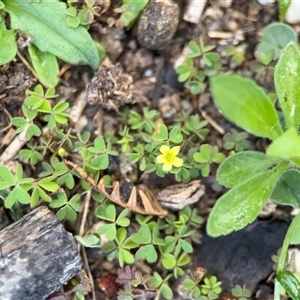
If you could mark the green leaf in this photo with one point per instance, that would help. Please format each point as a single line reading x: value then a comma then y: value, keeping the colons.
x: 143, y: 236
x: 32, y: 130
x: 17, y: 194
x: 66, y: 212
x: 60, y: 107
x: 241, y: 166
x: 195, y: 50
x: 110, y: 213
x: 100, y: 144
x: 287, y: 81
x: 175, y: 136
x: 275, y: 37
x: 163, y: 135
x: 293, y: 233
x: 6, y: 175
x: 45, y: 22
x: 241, y: 205
x: 245, y: 104
x: 287, y: 145
x: 287, y: 189
x: 125, y: 256
x: 109, y: 230
x: 60, y: 201
x: 166, y: 291
x: 283, y: 6
x: 169, y: 261
x: 74, y: 202
x: 290, y: 283
x: 8, y: 45
x: 48, y: 184
x: 89, y: 240
x: 19, y: 122
x: 147, y: 253
x: 45, y: 65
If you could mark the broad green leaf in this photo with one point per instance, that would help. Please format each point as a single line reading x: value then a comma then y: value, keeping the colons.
x: 287, y: 189
x: 8, y: 45
x: 287, y: 82
x: 46, y: 23
x: 45, y: 65
x: 275, y: 37
x: 243, y: 165
x: 287, y: 145
x: 242, y: 204
x: 245, y: 104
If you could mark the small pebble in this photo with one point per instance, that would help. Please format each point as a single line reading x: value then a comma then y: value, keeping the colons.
x: 265, y: 2
x: 292, y: 15
x: 157, y: 24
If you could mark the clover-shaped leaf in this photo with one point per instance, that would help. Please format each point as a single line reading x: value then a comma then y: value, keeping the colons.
x: 206, y: 156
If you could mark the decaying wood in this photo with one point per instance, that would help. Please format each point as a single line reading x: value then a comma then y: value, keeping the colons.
x: 150, y: 204
x: 37, y: 256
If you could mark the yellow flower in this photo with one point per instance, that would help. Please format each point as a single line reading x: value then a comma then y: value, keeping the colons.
x: 168, y: 157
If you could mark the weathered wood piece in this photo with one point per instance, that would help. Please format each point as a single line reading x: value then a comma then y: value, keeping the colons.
x: 37, y: 256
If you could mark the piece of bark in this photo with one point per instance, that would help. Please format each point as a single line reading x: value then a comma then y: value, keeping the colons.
x: 37, y: 256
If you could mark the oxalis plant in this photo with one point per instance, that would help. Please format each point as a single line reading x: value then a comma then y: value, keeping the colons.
x: 254, y: 177
x: 49, y: 37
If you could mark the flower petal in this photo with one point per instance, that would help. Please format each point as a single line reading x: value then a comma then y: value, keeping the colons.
x: 167, y: 166
x: 175, y: 150
x: 177, y: 162
x: 160, y: 159
x: 164, y: 149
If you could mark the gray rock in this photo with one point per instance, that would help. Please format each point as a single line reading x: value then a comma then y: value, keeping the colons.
x: 242, y: 257
x: 157, y: 24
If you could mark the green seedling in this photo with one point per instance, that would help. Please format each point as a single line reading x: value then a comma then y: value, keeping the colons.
x: 135, y: 285
x: 236, y: 141
x: 275, y: 37
x: 242, y: 293
x: 130, y: 10
x: 200, y: 64
x: 254, y: 177
x: 67, y: 208
x: 108, y: 213
x: 209, y: 289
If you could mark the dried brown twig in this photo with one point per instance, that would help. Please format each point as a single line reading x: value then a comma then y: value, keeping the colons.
x: 150, y: 204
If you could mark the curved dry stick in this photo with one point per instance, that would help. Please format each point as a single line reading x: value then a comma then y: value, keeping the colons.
x: 151, y: 206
